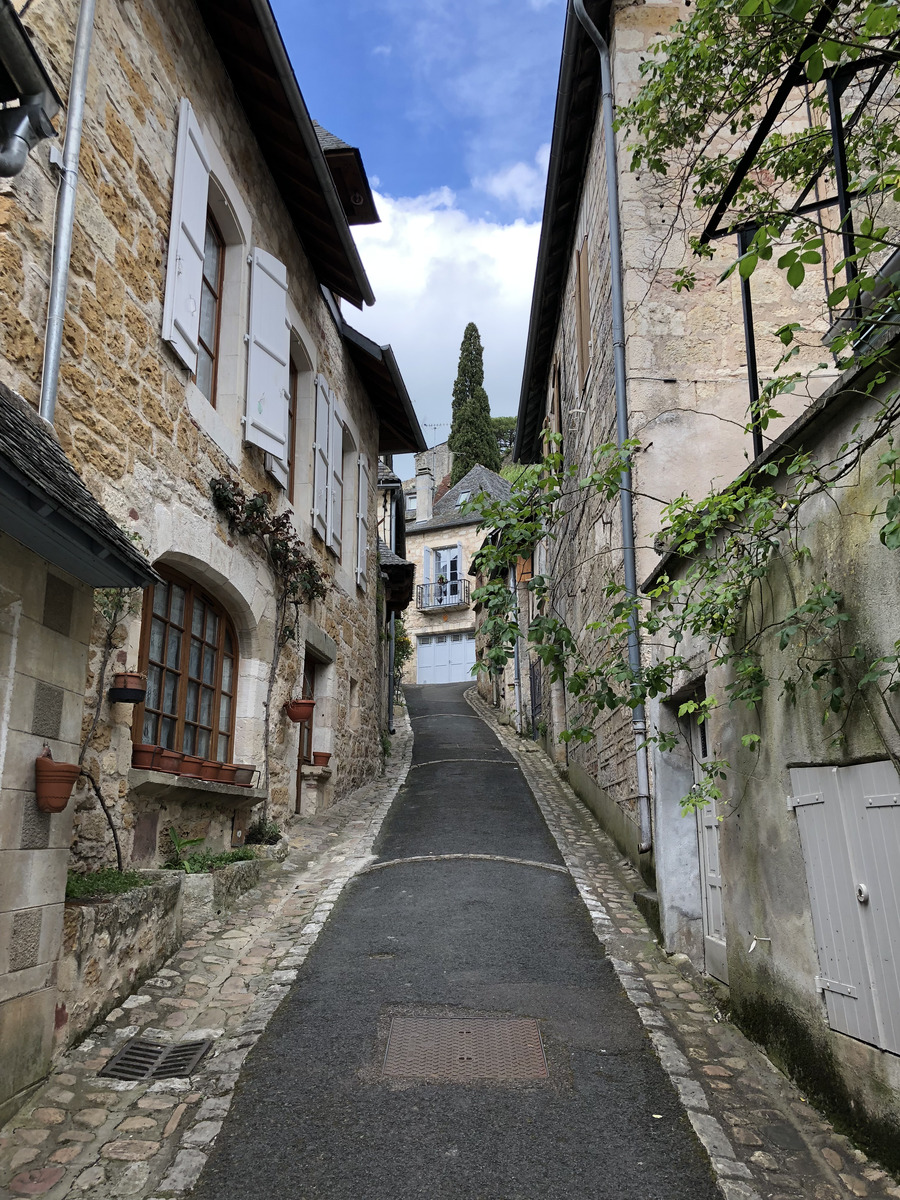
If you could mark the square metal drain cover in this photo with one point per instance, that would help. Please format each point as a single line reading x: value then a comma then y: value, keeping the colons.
x: 504, y: 1049
x: 141, y: 1059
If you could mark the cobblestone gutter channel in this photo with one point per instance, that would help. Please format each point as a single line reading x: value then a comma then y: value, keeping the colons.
x: 764, y: 1141
x: 80, y: 1135
x: 106, y: 1138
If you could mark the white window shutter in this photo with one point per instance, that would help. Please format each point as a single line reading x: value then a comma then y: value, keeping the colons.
x: 187, y: 236
x: 336, y: 489
x: 426, y: 564
x: 320, y: 462
x: 268, y: 371
x: 459, y: 560
x: 362, y: 524
x: 278, y: 470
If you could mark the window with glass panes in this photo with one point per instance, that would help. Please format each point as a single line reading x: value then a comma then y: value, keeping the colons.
x: 189, y: 653
x: 210, y: 297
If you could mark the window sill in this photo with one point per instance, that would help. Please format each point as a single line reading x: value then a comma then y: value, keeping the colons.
x: 161, y: 785
x: 310, y: 771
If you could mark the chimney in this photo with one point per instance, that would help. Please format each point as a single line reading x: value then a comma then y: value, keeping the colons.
x: 424, y: 493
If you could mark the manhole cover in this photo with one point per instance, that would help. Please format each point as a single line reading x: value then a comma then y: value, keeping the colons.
x: 505, y: 1049
x: 141, y: 1059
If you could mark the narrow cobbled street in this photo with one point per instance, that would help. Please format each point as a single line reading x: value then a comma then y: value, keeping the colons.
x: 466, y: 893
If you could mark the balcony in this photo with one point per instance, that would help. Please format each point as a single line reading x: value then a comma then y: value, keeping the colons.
x: 431, y: 597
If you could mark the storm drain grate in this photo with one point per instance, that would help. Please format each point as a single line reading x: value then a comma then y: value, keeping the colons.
x: 141, y: 1059
x: 503, y: 1049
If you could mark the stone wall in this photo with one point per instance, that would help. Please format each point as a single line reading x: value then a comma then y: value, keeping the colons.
x: 110, y: 947
x: 135, y: 425
x: 44, y: 631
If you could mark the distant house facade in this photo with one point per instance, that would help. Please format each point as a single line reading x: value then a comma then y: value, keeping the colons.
x: 442, y: 544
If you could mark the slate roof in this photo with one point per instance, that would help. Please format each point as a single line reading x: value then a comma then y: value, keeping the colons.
x: 446, y: 511
x: 387, y: 477
x: 387, y: 558
x: 45, y: 505
x: 329, y: 141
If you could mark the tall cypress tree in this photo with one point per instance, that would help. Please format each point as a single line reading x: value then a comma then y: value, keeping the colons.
x: 469, y: 376
x: 476, y: 441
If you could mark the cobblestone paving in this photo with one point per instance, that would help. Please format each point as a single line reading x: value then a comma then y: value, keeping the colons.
x: 764, y: 1141
x: 104, y: 1138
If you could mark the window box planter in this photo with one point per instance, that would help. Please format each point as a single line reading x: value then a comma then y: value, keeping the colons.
x: 227, y: 772
x: 321, y: 758
x: 53, y: 783
x: 144, y: 758
x: 168, y: 760
x: 193, y: 766
x: 244, y: 774
x: 299, y: 710
x: 209, y: 770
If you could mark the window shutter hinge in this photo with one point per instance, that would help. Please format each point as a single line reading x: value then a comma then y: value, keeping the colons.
x: 246, y: 339
x: 249, y: 259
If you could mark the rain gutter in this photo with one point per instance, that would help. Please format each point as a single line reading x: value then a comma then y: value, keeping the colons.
x: 65, y: 211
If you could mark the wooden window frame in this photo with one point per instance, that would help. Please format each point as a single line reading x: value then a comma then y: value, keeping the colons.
x: 305, y: 750
x: 213, y: 351
x: 583, y: 311
x: 192, y: 592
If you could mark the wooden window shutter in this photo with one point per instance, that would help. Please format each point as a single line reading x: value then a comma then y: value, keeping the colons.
x: 320, y: 462
x: 362, y: 524
x: 268, y: 358
x: 583, y: 312
x: 187, y: 236
x: 336, y: 488
x: 426, y: 564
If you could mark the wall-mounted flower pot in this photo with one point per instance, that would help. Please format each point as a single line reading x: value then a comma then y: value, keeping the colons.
x: 168, y: 760
x: 143, y: 758
x: 321, y: 758
x: 300, y: 710
x: 244, y: 774
x: 192, y: 765
x: 128, y: 687
x: 53, y: 783
x: 227, y: 772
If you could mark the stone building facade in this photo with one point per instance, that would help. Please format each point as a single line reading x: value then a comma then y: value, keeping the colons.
x: 204, y: 339
x: 686, y: 379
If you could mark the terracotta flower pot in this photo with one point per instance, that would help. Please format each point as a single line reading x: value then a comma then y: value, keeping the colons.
x: 209, y: 771
x: 321, y: 758
x: 130, y: 679
x: 143, y: 758
x: 53, y: 783
x: 300, y: 710
x: 243, y: 774
x: 227, y: 772
x: 168, y: 760
x: 192, y: 765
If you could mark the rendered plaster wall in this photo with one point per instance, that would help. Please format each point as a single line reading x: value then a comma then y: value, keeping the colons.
x: 136, y: 427
x: 457, y: 620
x: 686, y: 390
x: 44, y: 631
x: 773, y: 989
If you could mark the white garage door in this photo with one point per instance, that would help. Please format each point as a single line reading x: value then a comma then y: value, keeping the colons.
x: 445, y: 658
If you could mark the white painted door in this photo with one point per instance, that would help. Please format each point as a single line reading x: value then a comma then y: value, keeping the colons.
x: 712, y: 885
x: 445, y: 657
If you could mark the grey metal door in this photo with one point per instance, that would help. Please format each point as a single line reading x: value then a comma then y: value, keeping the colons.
x: 712, y: 885
x: 849, y: 823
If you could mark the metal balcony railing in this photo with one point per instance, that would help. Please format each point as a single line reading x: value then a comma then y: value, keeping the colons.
x: 454, y: 594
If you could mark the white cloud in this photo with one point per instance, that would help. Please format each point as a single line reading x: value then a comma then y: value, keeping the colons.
x: 520, y: 185
x: 384, y: 51
x: 433, y: 269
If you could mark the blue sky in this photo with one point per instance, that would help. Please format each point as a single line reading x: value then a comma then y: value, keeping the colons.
x: 451, y: 104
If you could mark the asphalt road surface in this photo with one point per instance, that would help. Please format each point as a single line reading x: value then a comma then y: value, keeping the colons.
x: 314, y: 1116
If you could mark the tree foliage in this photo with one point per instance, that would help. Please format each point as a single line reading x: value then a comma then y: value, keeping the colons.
x: 472, y: 437
x: 505, y: 432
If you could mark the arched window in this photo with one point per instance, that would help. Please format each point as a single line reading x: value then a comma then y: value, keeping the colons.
x: 189, y: 653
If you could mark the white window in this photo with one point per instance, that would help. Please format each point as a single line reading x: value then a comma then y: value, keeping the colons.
x: 324, y: 406
x: 362, y: 524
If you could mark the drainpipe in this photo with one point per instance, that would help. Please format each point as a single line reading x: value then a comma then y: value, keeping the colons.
x: 65, y: 210
x: 638, y: 718
x: 517, y: 673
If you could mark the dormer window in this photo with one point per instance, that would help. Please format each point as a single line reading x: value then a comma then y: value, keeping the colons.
x: 462, y: 499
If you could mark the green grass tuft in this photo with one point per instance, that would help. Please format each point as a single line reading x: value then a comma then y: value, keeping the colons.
x: 107, y: 882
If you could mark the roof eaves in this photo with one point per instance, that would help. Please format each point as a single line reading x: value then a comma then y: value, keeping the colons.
x: 574, y: 120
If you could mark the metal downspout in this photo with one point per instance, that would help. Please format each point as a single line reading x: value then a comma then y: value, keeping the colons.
x: 517, y: 674
x: 65, y: 210
x: 638, y: 719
